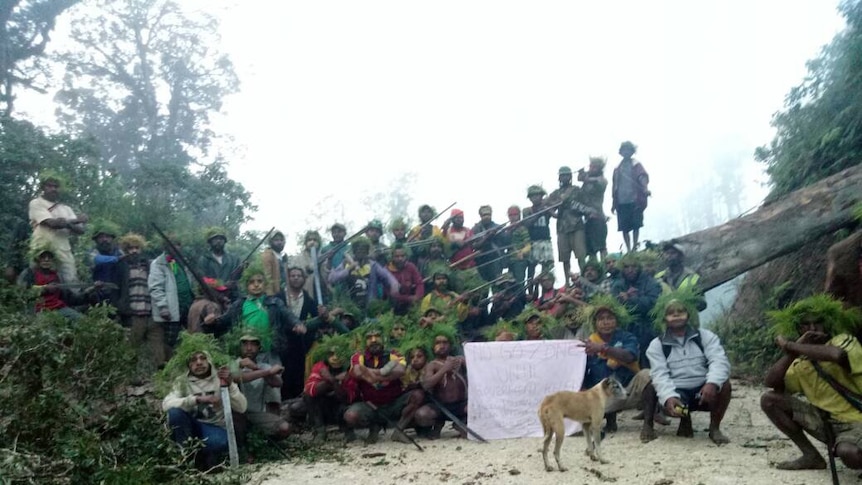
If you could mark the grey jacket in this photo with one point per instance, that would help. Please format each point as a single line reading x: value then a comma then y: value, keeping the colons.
x: 686, y: 366
x: 163, y: 289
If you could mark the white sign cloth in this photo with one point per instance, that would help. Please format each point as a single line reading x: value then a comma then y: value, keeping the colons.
x: 508, y: 380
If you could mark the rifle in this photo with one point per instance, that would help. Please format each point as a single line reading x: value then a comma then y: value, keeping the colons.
x: 75, y: 286
x: 338, y: 247
x: 429, y: 221
x: 239, y: 269
x: 205, y: 288
x: 317, y: 292
x: 523, y: 284
x: 538, y: 213
x: 482, y: 286
x: 392, y: 423
x: 455, y: 420
x: 510, y: 225
x: 576, y: 206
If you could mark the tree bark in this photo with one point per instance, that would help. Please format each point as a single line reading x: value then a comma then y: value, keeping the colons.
x: 723, y: 252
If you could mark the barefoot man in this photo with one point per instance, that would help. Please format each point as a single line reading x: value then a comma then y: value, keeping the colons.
x: 444, y: 379
x: 816, y: 335
x: 688, y: 368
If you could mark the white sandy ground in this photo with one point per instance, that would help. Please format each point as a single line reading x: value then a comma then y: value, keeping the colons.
x: 749, y: 459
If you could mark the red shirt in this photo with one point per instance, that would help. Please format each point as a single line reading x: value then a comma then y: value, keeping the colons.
x: 316, y: 377
x: 409, y: 281
x: 459, y: 236
x: 48, y: 301
x: 383, y: 393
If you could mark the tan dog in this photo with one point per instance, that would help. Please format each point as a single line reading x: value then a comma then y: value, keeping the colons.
x: 586, y: 407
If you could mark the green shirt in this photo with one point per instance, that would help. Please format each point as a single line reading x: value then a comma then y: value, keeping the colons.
x: 255, y: 316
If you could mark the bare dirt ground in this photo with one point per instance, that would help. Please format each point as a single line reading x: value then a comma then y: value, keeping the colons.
x: 749, y: 459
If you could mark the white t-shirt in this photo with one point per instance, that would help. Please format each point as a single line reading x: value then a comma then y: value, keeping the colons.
x: 41, y: 210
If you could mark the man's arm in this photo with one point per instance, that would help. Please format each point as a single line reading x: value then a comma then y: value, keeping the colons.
x: 646, y: 296
x: 718, y: 366
x: 156, y: 281
x: 384, y: 275
x: 660, y: 373
x: 176, y: 399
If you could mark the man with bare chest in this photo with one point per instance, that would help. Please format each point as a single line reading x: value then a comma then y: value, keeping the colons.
x: 443, y: 378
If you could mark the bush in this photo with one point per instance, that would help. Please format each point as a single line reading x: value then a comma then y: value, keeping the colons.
x: 66, y: 417
x: 749, y: 346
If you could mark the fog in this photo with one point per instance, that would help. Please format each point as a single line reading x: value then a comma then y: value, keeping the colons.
x: 343, y: 103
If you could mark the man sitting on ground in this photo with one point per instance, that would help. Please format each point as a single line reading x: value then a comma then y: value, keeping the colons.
x: 817, y: 374
x: 260, y: 383
x: 195, y: 409
x: 328, y: 388
x: 378, y: 373
x: 445, y: 379
x: 688, y: 368
x: 613, y: 352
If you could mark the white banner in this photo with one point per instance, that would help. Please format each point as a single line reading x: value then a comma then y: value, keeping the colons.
x: 508, y: 380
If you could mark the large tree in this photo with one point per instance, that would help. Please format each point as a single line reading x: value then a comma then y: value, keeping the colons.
x: 25, y: 28
x: 144, y: 78
x: 819, y: 132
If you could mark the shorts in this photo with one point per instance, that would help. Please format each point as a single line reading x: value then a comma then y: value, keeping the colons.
x: 266, y: 422
x: 809, y: 417
x: 457, y: 408
x: 541, y: 251
x: 569, y: 242
x: 596, y: 234
x: 629, y: 217
x: 690, y: 399
x: 390, y: 411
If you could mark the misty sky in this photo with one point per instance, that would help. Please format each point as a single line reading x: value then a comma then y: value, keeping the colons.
x: 483, y: 98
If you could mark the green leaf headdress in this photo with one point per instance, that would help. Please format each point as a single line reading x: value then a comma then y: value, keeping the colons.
x: 820, y: 308
x: 255, y: 268
x: 103, y: 226
x: 502, y: 326
x: 341, y: 345
x: 529, y: 312
x: 230, y: 342
x: 586, y: 315
x: 685, y: 298
x: 178, y: 366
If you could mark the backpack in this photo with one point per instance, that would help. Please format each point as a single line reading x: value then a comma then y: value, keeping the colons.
x: 696, y: 339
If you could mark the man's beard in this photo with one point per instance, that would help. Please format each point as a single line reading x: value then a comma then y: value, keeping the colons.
x: 375, y: 348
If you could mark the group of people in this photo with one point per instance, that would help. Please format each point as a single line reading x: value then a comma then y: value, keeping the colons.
x: 359, y: 334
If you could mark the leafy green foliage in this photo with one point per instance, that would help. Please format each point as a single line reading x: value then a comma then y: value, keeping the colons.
x: 819, y: 133
x: 749, y: 345
x: 69, y: 420
x: 820, y: 308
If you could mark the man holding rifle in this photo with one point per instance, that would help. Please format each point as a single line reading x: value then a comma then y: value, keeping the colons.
x: 219, y: 264
x: 171, y: 292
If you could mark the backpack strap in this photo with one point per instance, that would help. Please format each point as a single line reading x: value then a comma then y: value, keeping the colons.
x: 665, y: 348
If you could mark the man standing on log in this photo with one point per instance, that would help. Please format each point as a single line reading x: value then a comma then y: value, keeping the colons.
x: 570, y: 222
x: 630, y: 194
x: 596, y: 225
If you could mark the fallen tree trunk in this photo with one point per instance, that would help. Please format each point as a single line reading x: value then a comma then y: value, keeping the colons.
x: 723, y: 252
